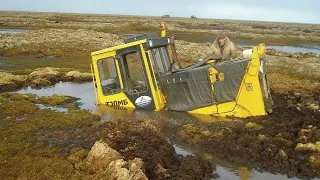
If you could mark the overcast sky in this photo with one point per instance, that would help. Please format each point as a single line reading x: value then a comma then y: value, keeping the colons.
x: 302, y: 11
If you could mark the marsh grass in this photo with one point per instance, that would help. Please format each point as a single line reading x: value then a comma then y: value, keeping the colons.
x: 56, y: 41
x: 274, y: 31
x: 22, y: 155
x: 307, y: 68
x: 64, y: 40
x: 45, y: 144
x: 8, y: 78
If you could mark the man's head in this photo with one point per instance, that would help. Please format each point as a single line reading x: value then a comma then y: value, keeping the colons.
x: 221, y: 39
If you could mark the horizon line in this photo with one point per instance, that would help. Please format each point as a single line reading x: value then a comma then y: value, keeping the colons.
x: 205, y: 18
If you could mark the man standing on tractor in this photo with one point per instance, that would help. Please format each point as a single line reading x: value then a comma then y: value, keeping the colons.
x: 223, y: 49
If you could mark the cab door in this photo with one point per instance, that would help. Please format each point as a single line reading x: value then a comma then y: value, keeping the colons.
x: 137, y: 82
x: 108, y: 81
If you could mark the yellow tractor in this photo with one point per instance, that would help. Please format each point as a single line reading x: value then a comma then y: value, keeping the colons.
x: 143, y: 73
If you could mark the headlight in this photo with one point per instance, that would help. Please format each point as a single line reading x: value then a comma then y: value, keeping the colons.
x: 150, y: 43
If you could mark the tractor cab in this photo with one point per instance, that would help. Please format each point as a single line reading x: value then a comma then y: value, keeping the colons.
x: 142, y: 73
x: 128, y: 75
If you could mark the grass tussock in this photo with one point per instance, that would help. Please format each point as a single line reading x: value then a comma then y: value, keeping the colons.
x: 41, y: 77
x: 8, y: 78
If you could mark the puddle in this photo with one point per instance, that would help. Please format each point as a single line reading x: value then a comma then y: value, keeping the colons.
x: 172, y: 121
x: 299, y: 48
x: 83, y: 91
x: 12, y: 31
x: 20, y: 118
x: 181, y: 151
x: 58, y: 109
x: 293, y: 49
x: 244, y: 173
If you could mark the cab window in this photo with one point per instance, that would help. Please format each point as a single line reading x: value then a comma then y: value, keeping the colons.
x: 135, y: 80
x: 108, y: 76
x: 161, y: 60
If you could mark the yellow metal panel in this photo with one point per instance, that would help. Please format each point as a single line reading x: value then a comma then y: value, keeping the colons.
x: 160, y: 98
x: 97, y: 57
x: 250, y: 95
x: 218, y: 110
x: 212, y: 76
x: 119, y: 74
x: 249, y: 101
x: 153, y: 74
x: 96, y: 71
x: 115, y: 48
x: 94, y: 82
x: 210, y: 61
x: 163, y: 33
x: 262, y: 49
x: 116, y: 100
x: 155, y: 94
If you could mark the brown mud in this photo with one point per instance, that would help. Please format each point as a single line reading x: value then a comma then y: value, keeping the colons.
x: 41, y: 144
x: 286, y: 141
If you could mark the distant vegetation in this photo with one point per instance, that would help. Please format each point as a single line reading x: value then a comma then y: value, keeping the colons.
x: 193, y: 17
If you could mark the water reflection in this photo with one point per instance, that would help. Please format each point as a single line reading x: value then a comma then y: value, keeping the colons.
x: 83, y: 91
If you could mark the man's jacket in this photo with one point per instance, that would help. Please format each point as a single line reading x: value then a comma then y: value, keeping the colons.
x: 228, y: 50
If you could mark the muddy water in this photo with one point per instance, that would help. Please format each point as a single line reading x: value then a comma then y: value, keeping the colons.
x: 173, y: 121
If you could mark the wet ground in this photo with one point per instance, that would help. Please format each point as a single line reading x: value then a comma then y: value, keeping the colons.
x: 57, y: 132
x: 298, y: 100
x: 175, y: 122
x: 42, y: 142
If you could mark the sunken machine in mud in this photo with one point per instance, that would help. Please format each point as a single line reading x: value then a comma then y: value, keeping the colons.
x: 144, y: 73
